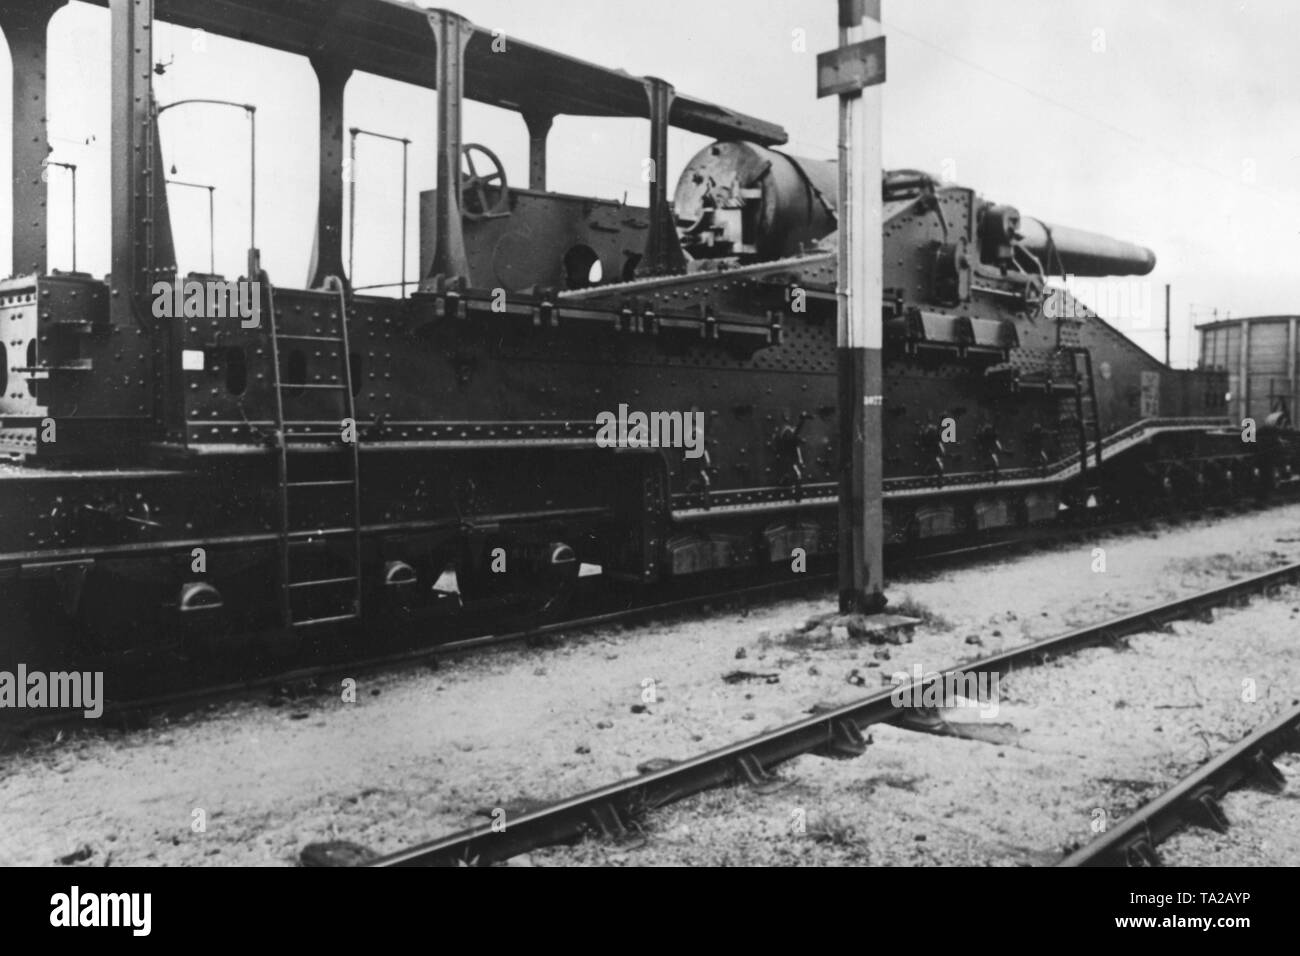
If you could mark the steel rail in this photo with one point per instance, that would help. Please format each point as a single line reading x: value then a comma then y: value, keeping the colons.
x: 1194, y: 801
x: 609, y: 809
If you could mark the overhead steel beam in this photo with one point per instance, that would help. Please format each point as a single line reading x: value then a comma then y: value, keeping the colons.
x: 389, y: 38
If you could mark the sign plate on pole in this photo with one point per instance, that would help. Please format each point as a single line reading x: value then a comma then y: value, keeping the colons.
x: 851, y: 69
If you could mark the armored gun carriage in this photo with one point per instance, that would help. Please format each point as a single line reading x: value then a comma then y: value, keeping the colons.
x: 330, y: 457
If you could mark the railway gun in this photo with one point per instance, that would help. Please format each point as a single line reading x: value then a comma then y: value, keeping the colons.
x: 196, y: 457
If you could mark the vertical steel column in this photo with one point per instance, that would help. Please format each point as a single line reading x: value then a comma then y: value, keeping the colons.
x: 860, y: 293
x: 72, y: 167
x: 406, y: 155
x: 1243, y: 373
x: 163, y: 249
x: 212, y: 230
x: 134, y: 151
x: 539, y: 127
x: 662, y: 251
x: 254, y: 256
x: 1292, y: 411
x: 26, y: 27
x: 1167, y: 325
x: 451, y: 34
x: 352, y: 199
x: 327, y: 248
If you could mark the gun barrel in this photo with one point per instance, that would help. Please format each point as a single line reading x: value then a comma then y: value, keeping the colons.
x: 1063, y: 250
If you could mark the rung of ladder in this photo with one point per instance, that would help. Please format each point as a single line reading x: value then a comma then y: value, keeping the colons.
x: 321, y: 582
x: 305, y: 536
x: 312, y: 436
x: 335, y: 619
x: 336, y: 435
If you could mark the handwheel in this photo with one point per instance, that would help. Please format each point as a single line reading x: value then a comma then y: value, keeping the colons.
x: 474, y: 189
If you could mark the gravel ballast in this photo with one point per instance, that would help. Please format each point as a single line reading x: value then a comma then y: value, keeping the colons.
x: 424, y: 752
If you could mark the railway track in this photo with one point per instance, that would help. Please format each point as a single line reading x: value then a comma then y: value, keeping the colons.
x: 610, y: 810
x: 1194, y: 800
x: 130, y: 712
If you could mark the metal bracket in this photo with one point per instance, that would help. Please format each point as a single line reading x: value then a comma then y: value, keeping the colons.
x: 1265, y: 773
x: 604, y: 819
x: 68, y: 576
x: 1141, y: 853
x: 1206, y: 811
x: 1113, y: 640
x: 753, y: 773
x: 846, y: 742
x: 775, y: 333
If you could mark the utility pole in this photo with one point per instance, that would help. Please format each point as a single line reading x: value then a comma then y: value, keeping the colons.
x: 212, y: 237
x: 855, y: 71
x: 254, y: 256
x: 356, y: 131
x: 1167, y: 323
x: 71, y: 168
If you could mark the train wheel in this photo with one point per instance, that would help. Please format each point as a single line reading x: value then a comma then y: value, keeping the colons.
x: 528, y: 588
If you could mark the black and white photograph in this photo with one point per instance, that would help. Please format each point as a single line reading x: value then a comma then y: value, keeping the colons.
x: 748, y: 434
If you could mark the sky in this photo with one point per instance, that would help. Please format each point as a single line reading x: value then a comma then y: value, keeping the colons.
x: 1171, y: 123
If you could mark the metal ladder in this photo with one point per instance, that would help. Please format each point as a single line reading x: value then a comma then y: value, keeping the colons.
x: 1085, y: 406
x: 309, y: 596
